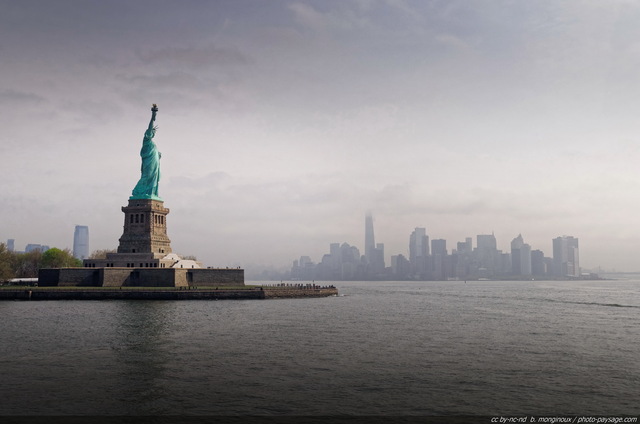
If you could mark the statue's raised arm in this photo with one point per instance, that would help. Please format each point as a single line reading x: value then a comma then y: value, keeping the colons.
x: 147, y: 187
x: 154, y: 110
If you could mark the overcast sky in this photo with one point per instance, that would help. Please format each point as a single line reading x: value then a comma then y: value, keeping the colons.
x: 282, y: 123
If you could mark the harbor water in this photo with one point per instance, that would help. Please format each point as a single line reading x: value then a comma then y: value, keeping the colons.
x: 378, y: 349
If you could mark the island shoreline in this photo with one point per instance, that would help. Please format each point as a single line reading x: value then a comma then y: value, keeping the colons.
x: 163, y: 293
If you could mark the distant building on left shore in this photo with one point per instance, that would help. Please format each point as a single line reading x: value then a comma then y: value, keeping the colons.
x: 31, y: 247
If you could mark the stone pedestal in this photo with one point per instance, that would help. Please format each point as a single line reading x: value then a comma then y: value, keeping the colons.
x: 145, y: 228
x: 144, y: 242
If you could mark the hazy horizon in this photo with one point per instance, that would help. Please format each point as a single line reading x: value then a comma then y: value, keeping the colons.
x: 282, y: 123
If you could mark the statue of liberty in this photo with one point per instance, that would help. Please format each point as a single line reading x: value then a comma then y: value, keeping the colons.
x: 147, y: 187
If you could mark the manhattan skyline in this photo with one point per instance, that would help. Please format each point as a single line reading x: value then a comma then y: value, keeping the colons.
x: 382, y: 265
x: 432, y: 259
x: 283, y: 122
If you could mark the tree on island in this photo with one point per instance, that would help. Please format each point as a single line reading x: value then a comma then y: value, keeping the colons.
x: 27, y: 265
x: 56, y: 258
x: 101, y: 253
x: 6, y: 263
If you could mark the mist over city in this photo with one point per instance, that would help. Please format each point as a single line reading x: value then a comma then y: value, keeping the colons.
x: 282, y: 123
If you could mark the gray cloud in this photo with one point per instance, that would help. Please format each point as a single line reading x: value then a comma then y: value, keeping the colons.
x: 283, y: 122
x: 12, y: 97
x: 197, y: 57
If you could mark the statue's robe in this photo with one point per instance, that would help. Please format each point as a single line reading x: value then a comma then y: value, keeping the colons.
x: 147, y: 187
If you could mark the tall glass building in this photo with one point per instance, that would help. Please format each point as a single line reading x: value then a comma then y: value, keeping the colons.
x: 81, y: 242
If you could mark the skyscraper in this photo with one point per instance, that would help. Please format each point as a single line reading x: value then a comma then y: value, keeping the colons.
x: 369, y: 239
x: 374, y: 254
x: 516, y: 245
x: 439, y: 259
x: 520, y: 256
x: 537, y: 263
x: 418, y: 244
x: 11, y: 245
x: 81, y: 242
x: 487, y: 255
x: 400, y: 267
x: 439, y: 247
x: 378, y: 260
x: 486, y: 242
x: 566, y: 258
x: 31, y: 247
x: 525, y: 259
x: 463, y: 259
x: 418, y: 252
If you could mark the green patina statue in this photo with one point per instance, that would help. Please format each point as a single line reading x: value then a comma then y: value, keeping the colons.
x: 147, y: 187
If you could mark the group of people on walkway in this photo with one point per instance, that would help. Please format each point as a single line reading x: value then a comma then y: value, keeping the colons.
x: 307, y: 286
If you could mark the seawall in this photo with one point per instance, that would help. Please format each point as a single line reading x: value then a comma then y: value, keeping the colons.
x: 140, y: 277
x: 292, y: 292
x: 45, y: 293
